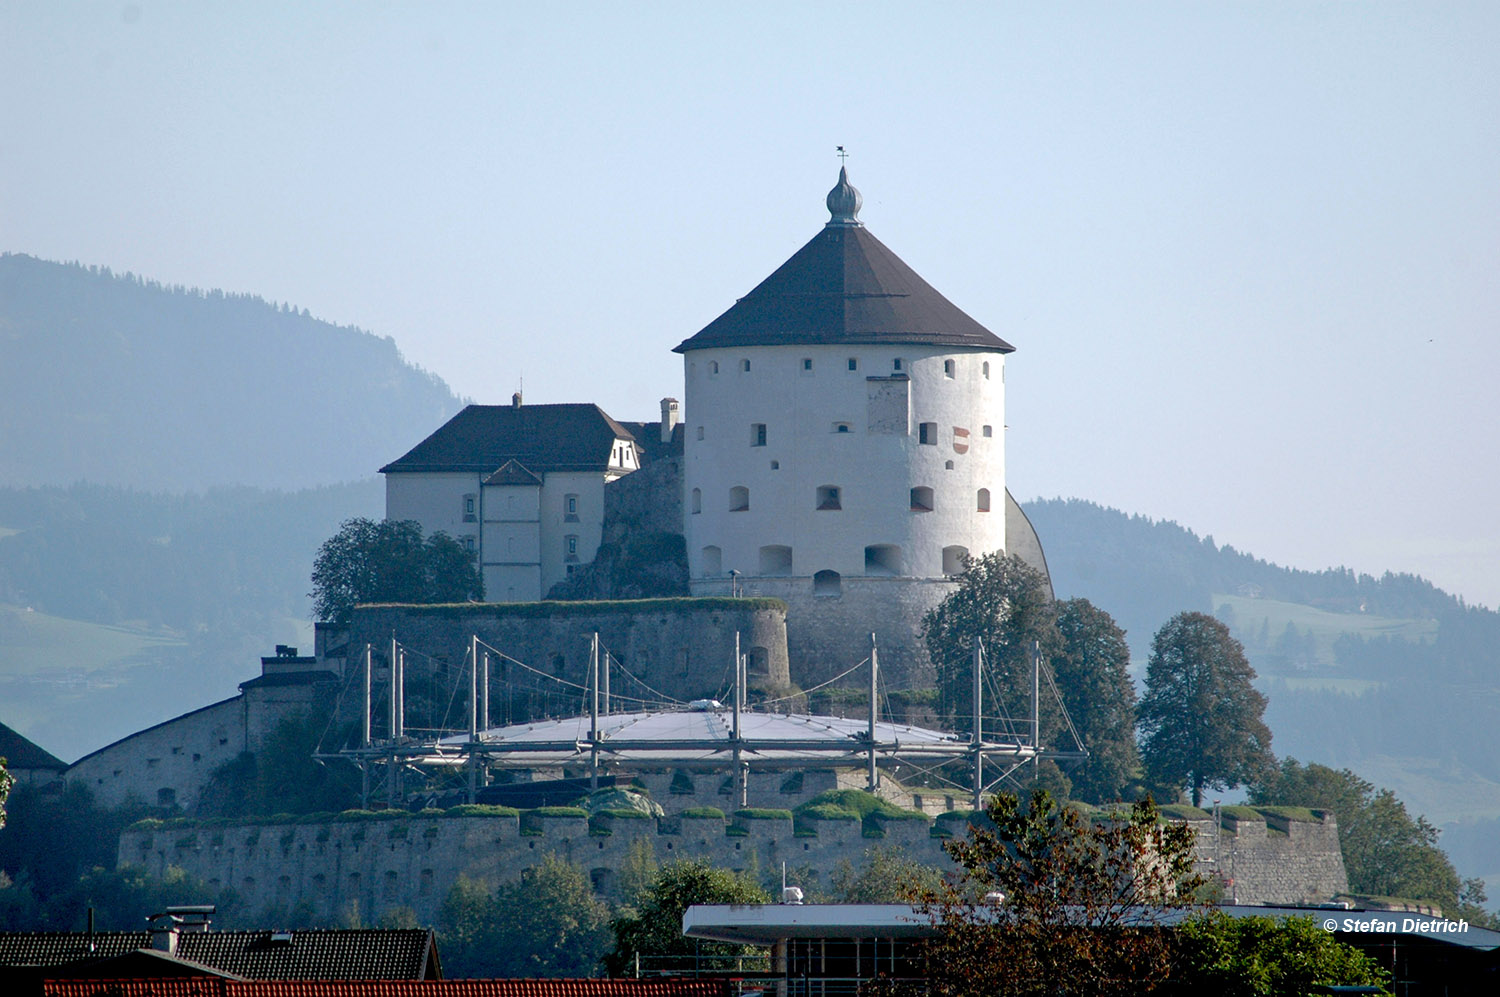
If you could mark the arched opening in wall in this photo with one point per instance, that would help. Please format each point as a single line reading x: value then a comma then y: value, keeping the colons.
x: 986, y: 369
x: 984, y: 500
x: 712, y: 561
x: 758, y: 663
x: 697, y: 501
x: 829, y: 583
x: 775, y: 559
x: 947, y: 465
x: 883, y: 559
x: 828, y: 497
x: 921, y: 499
x: 953, y: 559
x: 739, y: 499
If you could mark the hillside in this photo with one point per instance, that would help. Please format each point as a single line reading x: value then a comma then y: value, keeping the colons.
x: 1389, y: 676
x: 119, y: 609
x: 115, y: 380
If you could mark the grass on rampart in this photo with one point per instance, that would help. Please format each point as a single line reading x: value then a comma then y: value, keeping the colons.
x: 557, y: 607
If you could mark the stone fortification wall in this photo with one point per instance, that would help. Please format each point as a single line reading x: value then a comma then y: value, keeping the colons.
x: 827, y: 633
x: 682, y: 647
x: 1274, y: 859
x: 395, y: 859
x: 414, y: 860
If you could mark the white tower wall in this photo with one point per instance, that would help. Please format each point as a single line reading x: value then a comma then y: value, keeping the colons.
x: 830, y: 427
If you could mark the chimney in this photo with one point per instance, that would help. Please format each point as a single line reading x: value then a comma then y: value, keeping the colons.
x: 669, y: 416
x: 164, y: 933
x: 515, y: 400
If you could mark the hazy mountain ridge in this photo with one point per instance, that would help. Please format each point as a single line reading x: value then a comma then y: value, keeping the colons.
x: 1144, y: 570
x: 114, y: 379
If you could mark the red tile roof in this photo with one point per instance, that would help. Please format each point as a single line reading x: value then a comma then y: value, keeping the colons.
x: 211, y: 987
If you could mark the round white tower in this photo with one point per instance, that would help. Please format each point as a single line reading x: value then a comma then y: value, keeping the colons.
x: 844, y: 448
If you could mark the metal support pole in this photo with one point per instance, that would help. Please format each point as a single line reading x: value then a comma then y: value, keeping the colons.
x: 364, y: 761
x: 1035, y: 699
x: 606, y: 683
x: 741, y: 782
x: 978, y: 726
x: 594, y: 712
x: 473, y: 715
x: 874, y: 773
x: 484, y: 693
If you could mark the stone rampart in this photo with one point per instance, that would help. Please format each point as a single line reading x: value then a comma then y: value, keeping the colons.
x: 1274, y: 859
x: 828, y: 629
x: 394, y: 859
x: 682, y: 647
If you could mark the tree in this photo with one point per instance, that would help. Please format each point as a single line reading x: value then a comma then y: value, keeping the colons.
x: 1004, y: 603
x: 388, y: 561
x: 6, y: 781
x: 547, y: 923
x: 1387, y: 853
x: 1093, y: 677
x: 887, y: 876
x: 1200, y: 720
x: 1268, y: 957
x: 652, y: 929
x: 1082, y: 903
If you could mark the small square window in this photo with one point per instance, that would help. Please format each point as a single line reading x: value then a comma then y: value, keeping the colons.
x: 949, y: 368
x: 807, y: 363
x: 745, y: 366
x: 854, y: 363
x: 841, y: 427
x: 987, y: 431
x: 896, y: 364
x: 927, y: 433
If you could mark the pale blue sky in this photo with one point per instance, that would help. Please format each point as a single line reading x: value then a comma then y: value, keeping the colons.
x: 1248, y: 253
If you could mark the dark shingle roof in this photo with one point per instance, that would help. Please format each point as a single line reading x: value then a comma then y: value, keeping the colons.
x: 844, y: 287
x: 23, y: 753
x: 513, y: 472
x: 481, y: 438
x: 332, y: 954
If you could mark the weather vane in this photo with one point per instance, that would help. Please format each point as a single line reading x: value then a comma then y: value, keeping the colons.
x: 842, y: 155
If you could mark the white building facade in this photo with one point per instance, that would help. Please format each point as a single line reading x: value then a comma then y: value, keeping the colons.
x: 521, y: 485
x: 844, y: 445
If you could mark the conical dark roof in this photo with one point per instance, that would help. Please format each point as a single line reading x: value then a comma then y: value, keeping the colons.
x: 845, y: 286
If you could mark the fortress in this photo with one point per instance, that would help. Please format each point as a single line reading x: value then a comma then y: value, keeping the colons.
x: 838, y: 453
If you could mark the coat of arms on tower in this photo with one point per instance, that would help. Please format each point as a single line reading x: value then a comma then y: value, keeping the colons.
x: 960, y: 440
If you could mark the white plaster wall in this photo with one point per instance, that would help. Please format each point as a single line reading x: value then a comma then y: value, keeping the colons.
x: 435, y: 500
x: 510, y: 547
x: 179, y: 754
x: 874, y: 472
x: 588, y: 526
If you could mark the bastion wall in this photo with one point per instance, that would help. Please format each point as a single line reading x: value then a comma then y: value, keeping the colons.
x: 377, y: 862
x: 683, y: 648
